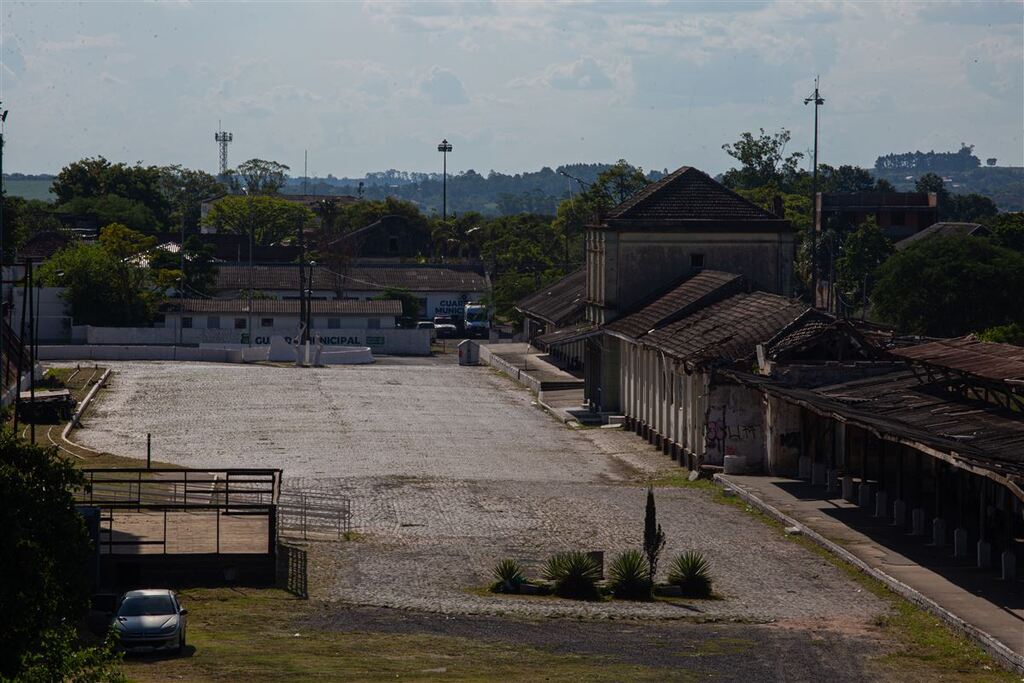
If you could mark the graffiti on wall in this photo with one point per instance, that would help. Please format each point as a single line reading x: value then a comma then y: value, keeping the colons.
x: 721, y: 436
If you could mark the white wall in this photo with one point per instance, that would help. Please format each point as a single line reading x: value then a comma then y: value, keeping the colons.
x: 54, y: 322
x: 201, y: 321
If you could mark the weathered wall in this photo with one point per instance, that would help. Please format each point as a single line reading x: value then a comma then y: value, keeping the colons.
x: 734, y: 425
x: 782, y: 437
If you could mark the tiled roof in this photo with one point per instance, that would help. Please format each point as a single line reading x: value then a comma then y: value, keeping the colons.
x: 697, y: 290
x: 815, y: 327
x: 565, y: 335
x: 944, y: 230
x: 415, y: 278
x: 285, y: 306
x: 727, y: 330
x: 968, y: 354
x: 688, y: 194
x: 560, y: 303
x: 43, y: 245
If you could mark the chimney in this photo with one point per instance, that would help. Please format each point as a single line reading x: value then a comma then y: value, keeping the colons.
x: 777, y: 206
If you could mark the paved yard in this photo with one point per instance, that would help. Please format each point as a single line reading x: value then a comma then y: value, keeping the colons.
x: 449, y: 469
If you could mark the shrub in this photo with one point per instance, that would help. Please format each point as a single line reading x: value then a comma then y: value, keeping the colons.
x: 654, y: 537
x: 691, y: 572
x: 573, y: 575
x: 630, y: 576
x: 509, y: 574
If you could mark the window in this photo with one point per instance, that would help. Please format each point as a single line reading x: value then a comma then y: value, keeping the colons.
x: 334, y: 323
x: 266, y: 322
x: 393, y: 244
x: 239, y: 323
x: 213, y: 322
x: 373, y: 323
x: 696, y: 260
x: 186, y: 321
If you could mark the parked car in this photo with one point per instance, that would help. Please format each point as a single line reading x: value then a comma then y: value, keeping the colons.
x: 427, y: 325
x: 150, y: 620
x: 446, y: 327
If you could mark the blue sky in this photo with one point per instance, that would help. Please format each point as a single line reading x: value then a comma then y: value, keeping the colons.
x: 514, y: 86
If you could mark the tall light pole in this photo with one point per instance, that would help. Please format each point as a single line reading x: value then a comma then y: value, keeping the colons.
x: 3, y: 119
x: 818, y: 100
x: 252, y: 228
x: 444, y: 148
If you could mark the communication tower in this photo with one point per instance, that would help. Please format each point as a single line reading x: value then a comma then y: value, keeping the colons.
x: 223, y: 138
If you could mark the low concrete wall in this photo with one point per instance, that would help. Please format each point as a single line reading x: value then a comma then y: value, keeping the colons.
x: 499, y: 363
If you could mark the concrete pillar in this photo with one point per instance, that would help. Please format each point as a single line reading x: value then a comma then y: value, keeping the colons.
x: 938, y: 532
x: 960, y: 542
x: 864, y: 495
x: 881, y: 505
x: 917, y: 521
x: 899, y: 513
x: 831, y: 479
x: 1009, y: 566
x: 984, y: 554
x: 818, y: 474
x: 804, y: 467
x: 848, y: 489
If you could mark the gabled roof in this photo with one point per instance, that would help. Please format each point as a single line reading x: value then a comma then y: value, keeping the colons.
x: 816, y: 329
x: 43, y: 245
x: 728, y: 330
x: 560, y: 303
x: 1002, y: 362
x: 945, y: 230
x: 688, y: 194
x: 695, y: 291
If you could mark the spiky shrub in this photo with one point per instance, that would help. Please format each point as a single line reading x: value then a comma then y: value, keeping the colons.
x: 692, y: 572
x: 630, y: 576
x: 654, y: 537
x: 573, y: 575
x: 509, y: 574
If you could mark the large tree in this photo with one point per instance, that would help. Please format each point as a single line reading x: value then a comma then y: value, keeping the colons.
x: 763, y: 161
x: 863, y: 251
x: 260, y: 176
x: 956, y: 207
x: 46, y: 551
x: 95, y: 177
x: 950, y: 286
x: 271, y: 219
x: 185, y: 189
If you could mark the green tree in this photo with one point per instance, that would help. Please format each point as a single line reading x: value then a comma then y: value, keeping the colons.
x: 112, y: 208
x: 763, y: 161
x: 459, y: 236
x: 654, y: 537
x: 273, y: 220
x: 95, y: 177
x: 260, y: 176
x: 185, y: 189
x: 200, y: 266
x: 863, y: 251
x: 1007, y: 230
x: 950, y: 286
x: 410, y: 304
x: 46, y: 552
x: 1004, y: 334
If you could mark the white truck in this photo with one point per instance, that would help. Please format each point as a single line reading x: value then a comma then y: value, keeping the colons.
x: 476, y: 321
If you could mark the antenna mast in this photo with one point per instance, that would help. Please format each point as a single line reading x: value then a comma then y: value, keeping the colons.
x: 818, y: 100
x: 223, y: 138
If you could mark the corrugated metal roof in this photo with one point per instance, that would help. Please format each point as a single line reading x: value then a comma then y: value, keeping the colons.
x: 560, y: 303
x: 727, y: 330
x: 944, y: 230
x: 689, y: 194
x: 415, y: 278
x: 697, y: 290
x: 1003, y: 362
x: 286, y: 306
x: 565, y: 335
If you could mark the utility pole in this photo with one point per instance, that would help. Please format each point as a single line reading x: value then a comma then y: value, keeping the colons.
x: 444, y: 148
x: 3, y: 196
x: 818, y: 100
x: 252, y: 229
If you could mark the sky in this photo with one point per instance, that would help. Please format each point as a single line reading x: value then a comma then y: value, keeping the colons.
x: 513, y: 86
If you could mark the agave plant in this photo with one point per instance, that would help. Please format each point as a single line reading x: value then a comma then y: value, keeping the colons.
x: 509, y: 574
x: 573, y: 574
x: 691, y: 572
x: 630, y: 576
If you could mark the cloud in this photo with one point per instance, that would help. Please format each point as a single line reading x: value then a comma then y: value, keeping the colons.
x: 442, y: 86
x: 586, y: 73
x: 107, y: 40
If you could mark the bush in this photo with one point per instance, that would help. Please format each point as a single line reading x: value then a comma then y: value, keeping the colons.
x: 630, y: 576
x: 691, y: 572
x: 573, y: 575
x: 509, y: 574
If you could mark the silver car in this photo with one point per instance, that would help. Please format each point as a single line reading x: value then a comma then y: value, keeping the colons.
x: 150, y: 620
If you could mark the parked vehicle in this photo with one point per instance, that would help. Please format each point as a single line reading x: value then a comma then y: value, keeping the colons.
x: 427, y: 325
x: 445, y: 326
x: 150, y: 620
x: 477, y: 321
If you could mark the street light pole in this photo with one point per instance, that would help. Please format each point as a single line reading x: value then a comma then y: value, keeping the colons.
x: 818, y: 100
x: 444, y: 148
x: 252, y: 228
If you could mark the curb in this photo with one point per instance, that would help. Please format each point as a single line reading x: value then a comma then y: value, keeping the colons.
x: 81, y: 411
x: 992, y: 645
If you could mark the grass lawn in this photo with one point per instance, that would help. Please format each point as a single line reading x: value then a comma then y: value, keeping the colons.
x: 256, y: 635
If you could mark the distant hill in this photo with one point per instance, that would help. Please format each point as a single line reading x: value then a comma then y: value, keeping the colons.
x: 1003, y: 184
x: 29, y: 186
x: 493, y: 195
